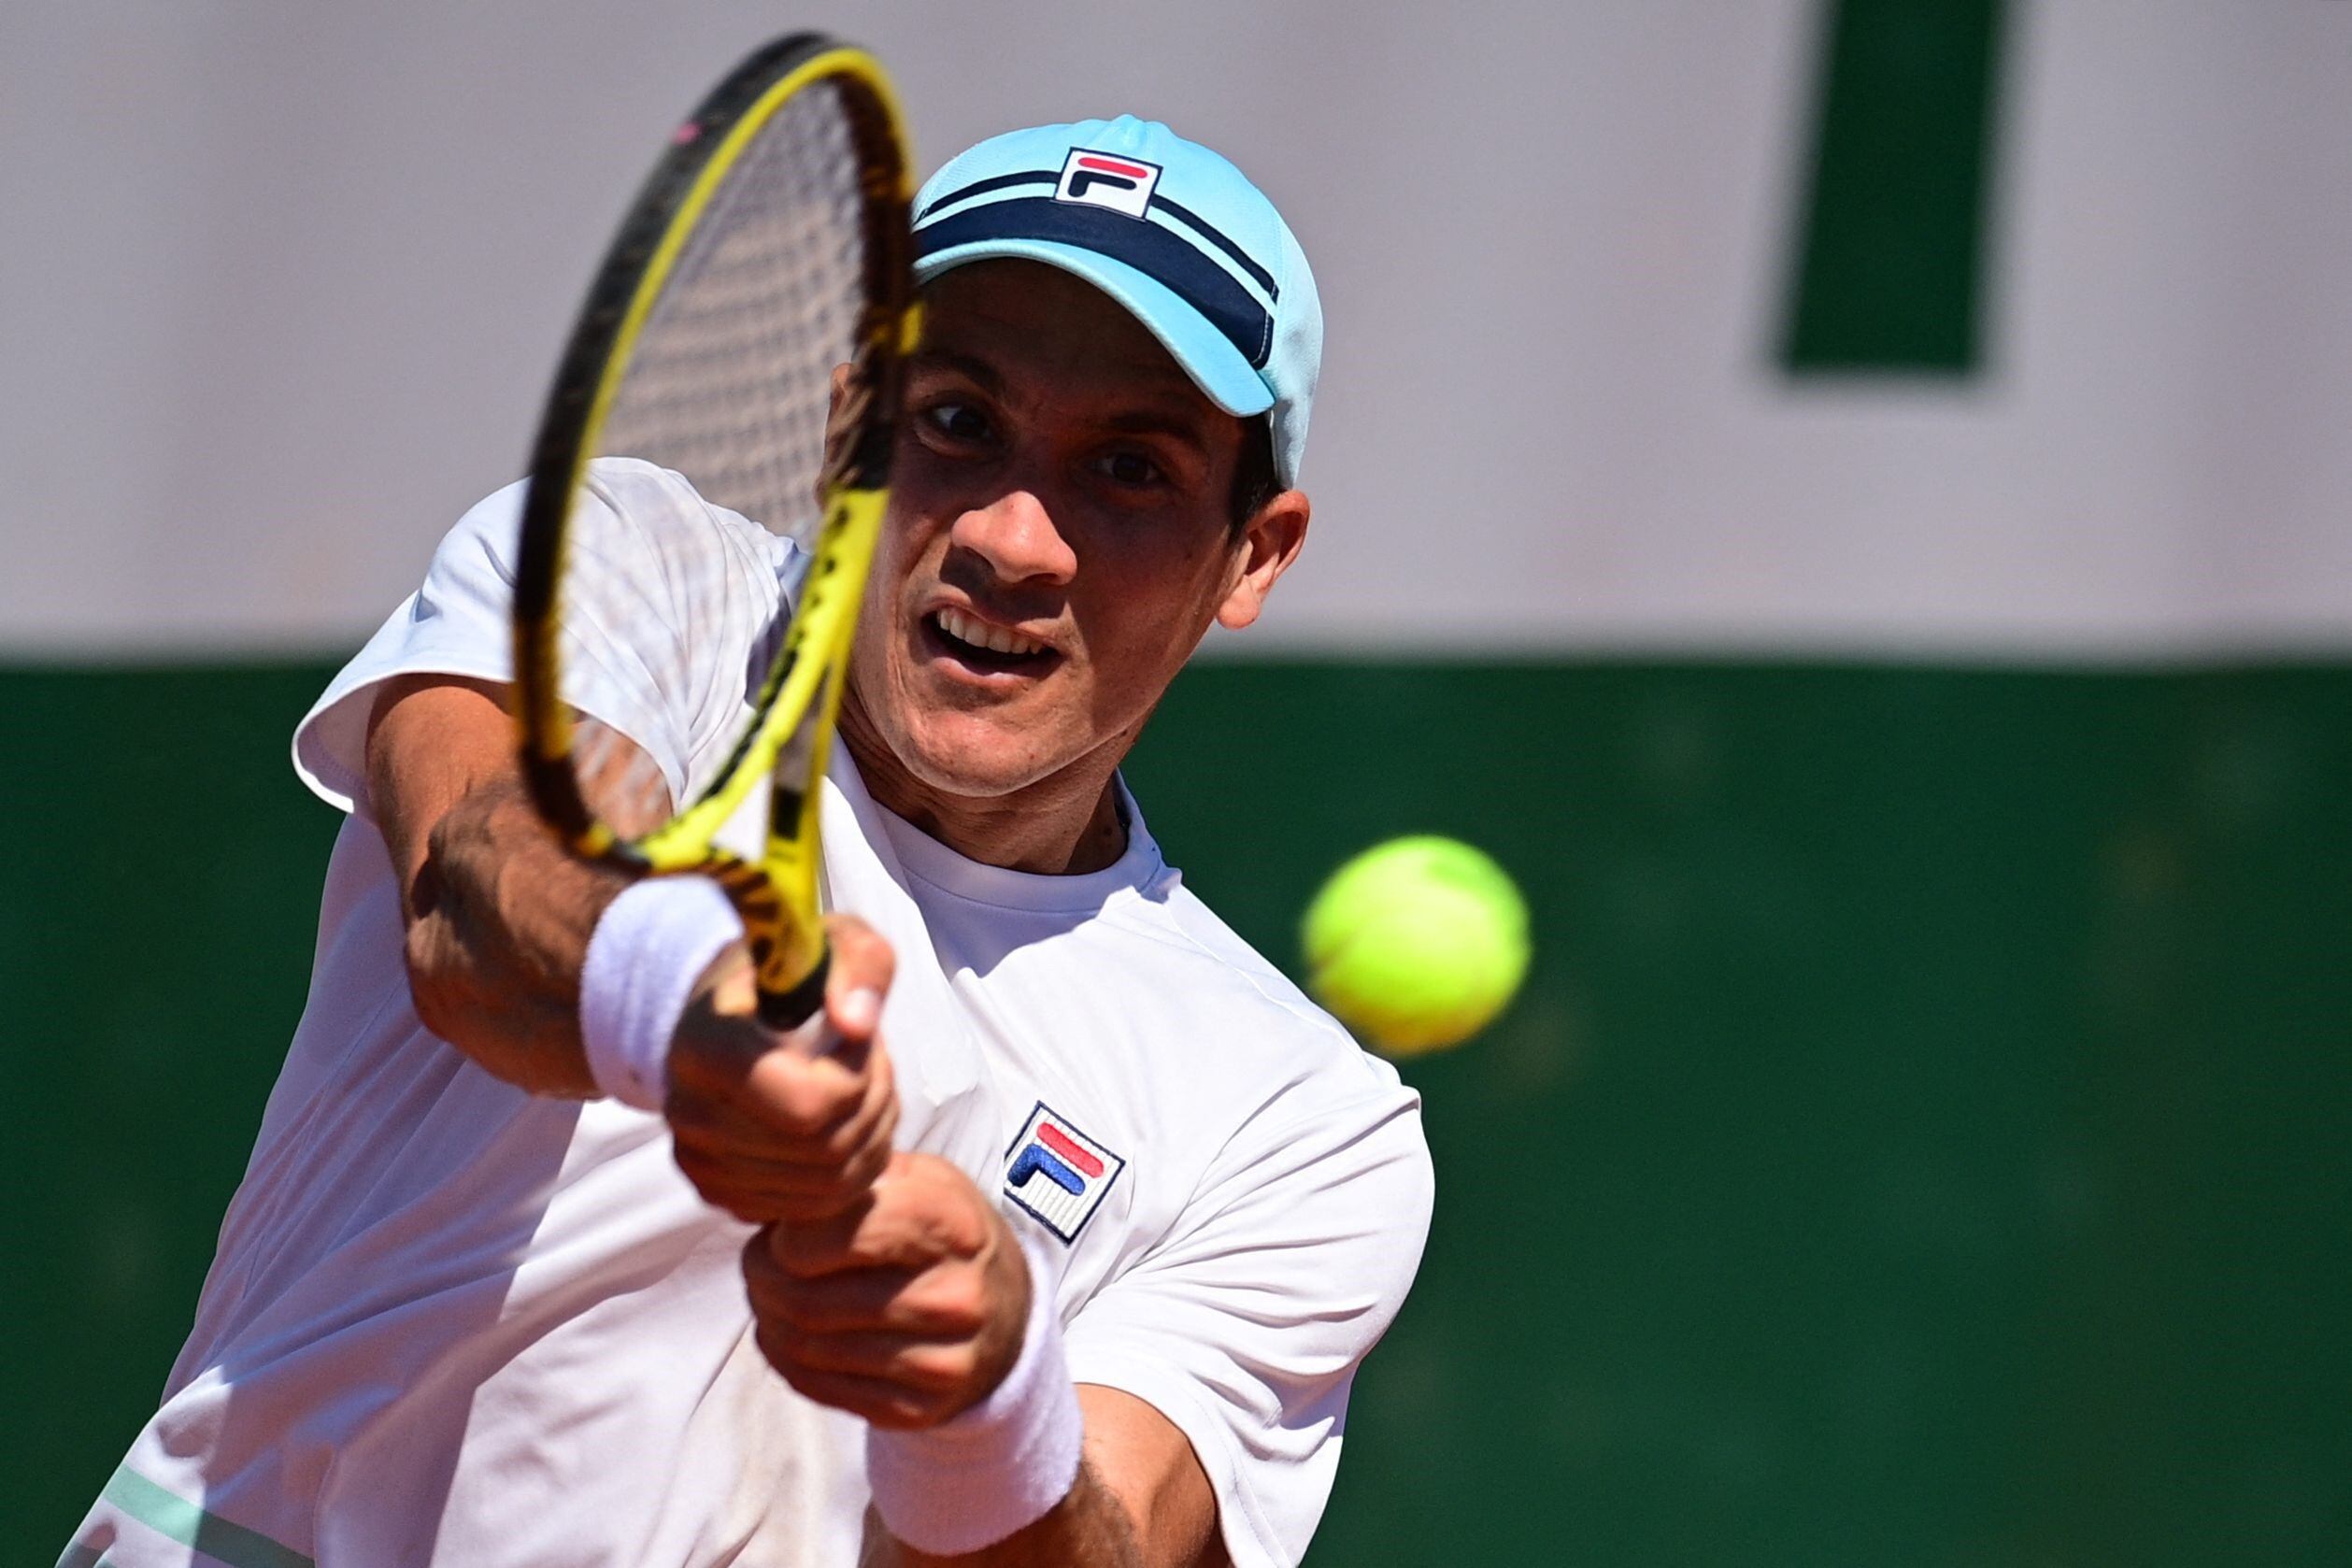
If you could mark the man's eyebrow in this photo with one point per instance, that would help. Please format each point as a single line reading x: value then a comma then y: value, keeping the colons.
x: 1184, y: 426
x: 1181, y: 423
x: 970, y: 367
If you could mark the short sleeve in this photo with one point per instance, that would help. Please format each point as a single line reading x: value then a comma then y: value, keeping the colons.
x: 673, y: 680
x: 1246, y: 1324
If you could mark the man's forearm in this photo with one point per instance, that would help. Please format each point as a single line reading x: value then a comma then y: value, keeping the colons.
x: 498, y: 913
x: 1086, y: 1529
x: 499, y: 917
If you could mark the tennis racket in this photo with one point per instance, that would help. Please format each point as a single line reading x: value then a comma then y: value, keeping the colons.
x: 768, y: 251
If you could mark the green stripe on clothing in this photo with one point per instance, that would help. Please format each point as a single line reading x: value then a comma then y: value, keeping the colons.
x: 168, y: 1513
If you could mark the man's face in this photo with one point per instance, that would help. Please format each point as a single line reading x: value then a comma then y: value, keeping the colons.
x: 1058, y: 537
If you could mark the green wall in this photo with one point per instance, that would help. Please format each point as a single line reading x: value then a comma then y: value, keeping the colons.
x: 1923, y: 1139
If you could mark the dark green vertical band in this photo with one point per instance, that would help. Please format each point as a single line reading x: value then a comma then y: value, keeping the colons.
x: 1891, y: 256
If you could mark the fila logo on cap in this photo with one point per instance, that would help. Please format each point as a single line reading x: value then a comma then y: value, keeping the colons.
x: 1059, y: 1173
x: 1106, y: 180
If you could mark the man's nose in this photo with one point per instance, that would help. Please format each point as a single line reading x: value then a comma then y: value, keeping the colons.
x: 1016, y: 535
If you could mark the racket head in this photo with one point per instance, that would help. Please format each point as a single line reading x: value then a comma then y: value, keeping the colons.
x: 746, y: 329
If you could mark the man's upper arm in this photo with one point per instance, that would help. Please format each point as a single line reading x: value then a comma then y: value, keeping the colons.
x: 432, y: 741
x: 1148, y: 1464
x: 1241, y: 1330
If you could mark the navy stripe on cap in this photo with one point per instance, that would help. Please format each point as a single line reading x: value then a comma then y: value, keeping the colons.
x: 1155, y: 253
x: 1216, y: 236
x: 982, y: 187
x: 1176, y: 210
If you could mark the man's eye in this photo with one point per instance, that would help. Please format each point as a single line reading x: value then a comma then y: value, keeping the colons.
x: 957, y: 422
x: 1129, y: 468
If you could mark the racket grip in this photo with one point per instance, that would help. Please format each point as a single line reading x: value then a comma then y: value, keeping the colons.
x: 786, y: 1010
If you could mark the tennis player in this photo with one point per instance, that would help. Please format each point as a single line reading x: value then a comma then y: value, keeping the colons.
x: 1070, y: 1252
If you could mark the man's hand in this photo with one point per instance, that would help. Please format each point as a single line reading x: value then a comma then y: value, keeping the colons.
x: 791, y: 1127
x: 905, y: 1307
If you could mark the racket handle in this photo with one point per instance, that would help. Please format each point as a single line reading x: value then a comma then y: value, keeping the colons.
x: 786, y: 1010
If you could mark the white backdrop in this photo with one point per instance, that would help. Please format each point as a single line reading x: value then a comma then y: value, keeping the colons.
x: 283, y: 282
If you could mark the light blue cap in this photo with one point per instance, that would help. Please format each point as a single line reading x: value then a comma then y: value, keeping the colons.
x: 1162, y: 225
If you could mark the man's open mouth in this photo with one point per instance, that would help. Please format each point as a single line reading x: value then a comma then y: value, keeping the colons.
x: 982, y: 646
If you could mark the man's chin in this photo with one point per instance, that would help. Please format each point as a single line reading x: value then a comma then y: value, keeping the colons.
x: 971, y: 756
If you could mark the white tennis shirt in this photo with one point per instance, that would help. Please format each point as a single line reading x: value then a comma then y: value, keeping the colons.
x: 453, y: 1323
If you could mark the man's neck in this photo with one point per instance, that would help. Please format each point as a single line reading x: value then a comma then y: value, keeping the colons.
x: 1062, y: 826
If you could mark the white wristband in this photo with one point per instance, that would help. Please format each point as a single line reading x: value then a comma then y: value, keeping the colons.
x: 1000, y: 1465
x: 649, y: 947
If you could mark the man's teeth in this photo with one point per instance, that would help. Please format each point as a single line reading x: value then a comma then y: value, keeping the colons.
x: 980, y: 634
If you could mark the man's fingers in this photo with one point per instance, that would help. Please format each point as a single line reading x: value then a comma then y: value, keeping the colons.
x: 775, y: 1132
x: 761, y: 1194
x: 899, y: 1224
x: 849, y: 1169
x: 736, y: 1154
x: 926, y: 1366
x: 762, y: 1191
x: 784, y: 1090
x: 858, y: 1301
x: 860, y: 956
x: 752, y: 1126
x: 917, y: 1304
x: 890, y: 1376
x: 741, y: 1162
x: 862, y: 967
x: 878, y: 1402
x: 904, y: 1307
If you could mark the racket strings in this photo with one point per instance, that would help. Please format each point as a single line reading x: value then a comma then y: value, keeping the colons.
x: 730, y: 376
x: 728, y: 382
x: 622, y: 778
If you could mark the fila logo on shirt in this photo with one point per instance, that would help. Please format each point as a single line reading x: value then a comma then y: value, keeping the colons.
x: 1057, y: 1173
x: 1105, y: 180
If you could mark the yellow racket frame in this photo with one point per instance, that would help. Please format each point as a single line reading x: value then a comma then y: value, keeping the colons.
x: 789, y: 745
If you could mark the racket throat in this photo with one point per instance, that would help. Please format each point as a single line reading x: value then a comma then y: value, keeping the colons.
x: 787, y: 1009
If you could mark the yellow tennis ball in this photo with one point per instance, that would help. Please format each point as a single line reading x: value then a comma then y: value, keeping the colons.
x: 1416, y: 944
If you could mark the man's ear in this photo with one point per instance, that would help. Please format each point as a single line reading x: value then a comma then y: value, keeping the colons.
x: 1270, y: 541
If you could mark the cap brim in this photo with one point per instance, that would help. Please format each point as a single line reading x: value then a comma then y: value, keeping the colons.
x: 1216, y: 367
